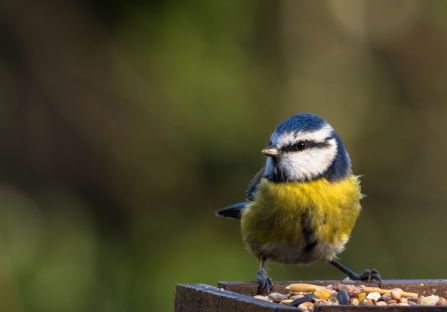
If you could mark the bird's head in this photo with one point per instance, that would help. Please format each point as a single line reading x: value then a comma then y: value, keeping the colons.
x: 303, y: 148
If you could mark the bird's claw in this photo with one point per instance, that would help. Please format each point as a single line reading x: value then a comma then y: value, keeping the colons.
x: 367, y: 276
x: 264, y: 281
x: 370, y: 276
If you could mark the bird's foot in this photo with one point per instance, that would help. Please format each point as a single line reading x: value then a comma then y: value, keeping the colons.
x: 369, y: 276
x: 264, y: 281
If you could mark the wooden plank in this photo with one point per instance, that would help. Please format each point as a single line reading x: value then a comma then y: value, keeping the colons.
x: 201, y: 297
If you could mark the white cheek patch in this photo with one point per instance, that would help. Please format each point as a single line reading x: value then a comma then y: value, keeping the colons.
x: 287, y: 138
x: 309, y: 163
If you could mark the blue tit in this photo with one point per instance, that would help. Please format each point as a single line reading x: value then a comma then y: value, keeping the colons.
x: 302, y: 206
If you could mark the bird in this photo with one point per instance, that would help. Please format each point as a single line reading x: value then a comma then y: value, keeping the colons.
x: 303, y: 204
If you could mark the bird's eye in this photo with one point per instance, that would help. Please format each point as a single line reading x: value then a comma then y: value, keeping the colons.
x: 299, y: 146
x: 296, y: 147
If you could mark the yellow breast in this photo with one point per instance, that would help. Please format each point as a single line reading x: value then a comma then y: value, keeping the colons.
x: 290, y: 212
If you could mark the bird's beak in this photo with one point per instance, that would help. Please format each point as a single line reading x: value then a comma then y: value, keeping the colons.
x: 272, y: 150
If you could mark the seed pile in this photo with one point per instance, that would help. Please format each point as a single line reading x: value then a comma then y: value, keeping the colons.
x: 306, y: 296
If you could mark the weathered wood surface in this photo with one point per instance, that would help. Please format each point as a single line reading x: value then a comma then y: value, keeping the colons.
x: 201, y: 297
x: 237, y: 296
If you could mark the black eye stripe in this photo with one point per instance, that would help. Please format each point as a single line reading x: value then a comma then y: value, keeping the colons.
x: 302, y: 145
x: 318, y: 144
x: 296, y: 147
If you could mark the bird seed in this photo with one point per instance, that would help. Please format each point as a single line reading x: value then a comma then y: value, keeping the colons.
x: 307, y: 296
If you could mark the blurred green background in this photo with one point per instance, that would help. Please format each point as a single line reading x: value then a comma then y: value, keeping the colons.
x: 125, y: 124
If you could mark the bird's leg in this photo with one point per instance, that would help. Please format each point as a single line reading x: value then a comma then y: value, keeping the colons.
x: 264, y: 281
x: 367, y: 276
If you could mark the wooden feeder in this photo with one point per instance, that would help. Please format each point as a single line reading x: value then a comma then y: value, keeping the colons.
x: 238, y: 296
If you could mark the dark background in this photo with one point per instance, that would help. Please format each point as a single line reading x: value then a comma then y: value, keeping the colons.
x: 125, y: 124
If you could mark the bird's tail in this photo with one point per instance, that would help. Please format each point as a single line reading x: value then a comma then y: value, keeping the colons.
x: 233, y: 211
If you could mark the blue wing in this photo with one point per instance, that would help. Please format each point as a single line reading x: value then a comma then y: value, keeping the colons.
x: 253, y: 186
x: 235, y: 211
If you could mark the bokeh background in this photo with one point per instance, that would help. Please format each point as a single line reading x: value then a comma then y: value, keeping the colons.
x: 125, y: 124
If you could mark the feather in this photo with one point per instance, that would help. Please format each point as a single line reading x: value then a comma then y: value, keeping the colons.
x: 232, y: 212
